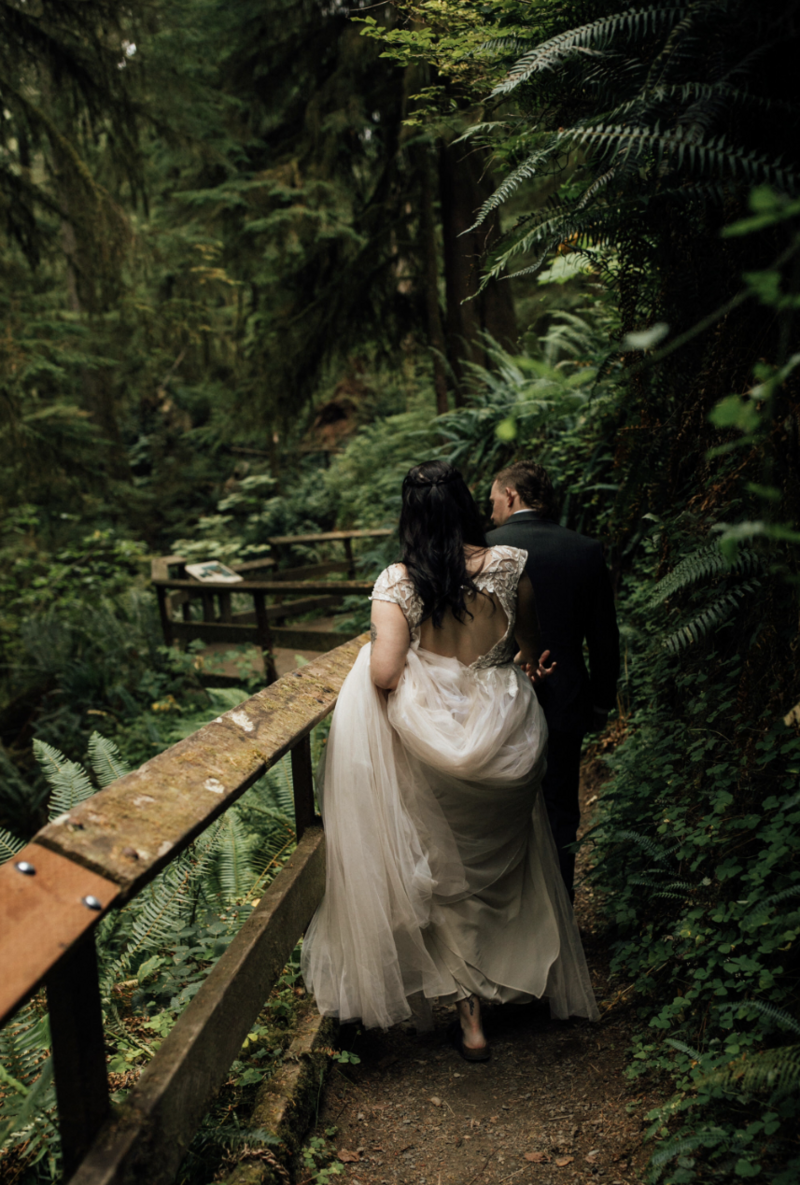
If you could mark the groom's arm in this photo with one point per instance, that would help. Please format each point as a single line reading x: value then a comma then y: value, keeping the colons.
x: 526, y: 627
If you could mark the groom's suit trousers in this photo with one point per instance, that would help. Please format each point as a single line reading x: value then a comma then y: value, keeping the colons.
x: 575, y: 603
x: 560, y: 789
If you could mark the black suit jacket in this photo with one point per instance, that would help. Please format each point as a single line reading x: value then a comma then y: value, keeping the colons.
x: 574, y: 600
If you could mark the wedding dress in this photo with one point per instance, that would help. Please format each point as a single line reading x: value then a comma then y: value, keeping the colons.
x: 442, y: 877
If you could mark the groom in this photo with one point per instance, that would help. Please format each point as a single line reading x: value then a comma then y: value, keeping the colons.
x: 574, y: 601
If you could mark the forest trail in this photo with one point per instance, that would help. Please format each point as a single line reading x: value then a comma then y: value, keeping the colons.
x: 553, y: 1105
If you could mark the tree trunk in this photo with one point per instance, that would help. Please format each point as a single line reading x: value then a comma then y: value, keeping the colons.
x: 427, y: 230
x: 464, y: 185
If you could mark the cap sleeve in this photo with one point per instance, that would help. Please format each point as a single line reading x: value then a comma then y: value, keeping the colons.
x: 389, y: 586
x: 511, y: 562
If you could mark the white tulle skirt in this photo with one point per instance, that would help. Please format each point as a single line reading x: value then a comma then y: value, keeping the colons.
x: 442, y: 876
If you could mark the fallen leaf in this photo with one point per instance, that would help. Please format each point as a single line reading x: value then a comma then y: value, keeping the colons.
x: 564, y: 1160
x: 493, y: 1118
x: 591, y: 1157
x: 436, y: 1102
x: 348, y: 1157
x: 537, y: 1157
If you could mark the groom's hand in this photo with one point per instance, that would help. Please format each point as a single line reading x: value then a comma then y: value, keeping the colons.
x: 538, y: 670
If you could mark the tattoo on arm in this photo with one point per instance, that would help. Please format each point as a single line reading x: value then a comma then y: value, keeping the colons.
x: 373, y: 634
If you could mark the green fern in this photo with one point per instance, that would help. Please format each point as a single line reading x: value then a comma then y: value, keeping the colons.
x: 682, y: 1047
x: 778, y: 1016
x: 710, y: 619
x: 635, y: 23
x: 162, y: 909
x: 27, y: 1112
x: 682, y: 1145
x: 671, y: 891
x: 69, y: 781
x: 765, y: 906
x: 776, y: 1070
x: 106, y: 760
x: 234, y: 865
x: 658, y: 853
x: 706, y: 563
x: 9, y: 845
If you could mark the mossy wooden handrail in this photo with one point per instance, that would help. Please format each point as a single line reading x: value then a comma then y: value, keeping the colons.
x: 103, y: 852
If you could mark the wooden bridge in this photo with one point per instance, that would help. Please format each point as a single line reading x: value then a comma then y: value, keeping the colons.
x: 292, y: 591
x: 100, y: 855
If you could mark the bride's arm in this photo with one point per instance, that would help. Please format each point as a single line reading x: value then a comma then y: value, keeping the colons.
x: 390, y: 643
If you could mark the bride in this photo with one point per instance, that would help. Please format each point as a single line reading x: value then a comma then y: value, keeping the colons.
x: 442, y: 876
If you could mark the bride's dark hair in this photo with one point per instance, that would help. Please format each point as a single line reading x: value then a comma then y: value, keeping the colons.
x: 439, y: 518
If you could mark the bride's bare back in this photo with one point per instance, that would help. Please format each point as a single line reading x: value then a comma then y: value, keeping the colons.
x: 468, y: 641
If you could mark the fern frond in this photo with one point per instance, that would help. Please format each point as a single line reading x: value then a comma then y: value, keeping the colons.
x: 234, y: 863
x: 679, y: 147
x: 69, y: 781
x: 478, y: 128
x: 710, y: 619
x: 680, y: 1145
x: 705, y: 564
x: 763, y: 907
x: 659, y: 854
x: 9, y: 845
x: 523, y: 172
x: 597, y: 36
x: 778, y: 1016
x: 676, y: 889
x: 769, y: 1069
x: 164, y: 907
x: 106, y: 760
x: 682, y: 1047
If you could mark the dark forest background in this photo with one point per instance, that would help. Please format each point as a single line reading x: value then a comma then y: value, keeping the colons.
x: 258, y: 258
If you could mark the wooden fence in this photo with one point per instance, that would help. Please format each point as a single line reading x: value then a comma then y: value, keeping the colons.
x: 263, y: 581
x: 100, y: 855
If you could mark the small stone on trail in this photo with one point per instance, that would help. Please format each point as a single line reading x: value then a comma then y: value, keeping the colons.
x: 436, y: 1102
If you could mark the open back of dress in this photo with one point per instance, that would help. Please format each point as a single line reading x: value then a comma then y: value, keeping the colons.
x: 442, y: 876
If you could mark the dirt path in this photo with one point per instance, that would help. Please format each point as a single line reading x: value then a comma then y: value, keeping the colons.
x: 553, y: 1104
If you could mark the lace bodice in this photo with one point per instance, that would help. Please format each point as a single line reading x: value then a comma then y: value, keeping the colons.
x: 500, y: 575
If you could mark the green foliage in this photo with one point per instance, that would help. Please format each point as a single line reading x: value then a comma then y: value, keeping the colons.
x: 69, y: 782
x: 156, y: 952
x: 319, y: 1159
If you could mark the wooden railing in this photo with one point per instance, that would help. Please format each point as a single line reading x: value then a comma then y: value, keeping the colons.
x: 263, y: 581
x: 100, y: 855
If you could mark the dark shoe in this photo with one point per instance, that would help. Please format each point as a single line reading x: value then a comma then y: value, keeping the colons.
x: 456, y: 1037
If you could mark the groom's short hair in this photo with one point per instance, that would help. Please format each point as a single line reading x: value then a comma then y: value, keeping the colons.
x: 532, y: 483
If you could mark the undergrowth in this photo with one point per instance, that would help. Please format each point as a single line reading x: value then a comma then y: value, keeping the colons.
x: 154, y: 955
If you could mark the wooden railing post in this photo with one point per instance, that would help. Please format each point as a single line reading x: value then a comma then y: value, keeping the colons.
x: 264, y: 635
x: 164, y: 613
x: 351, y: 564
x: 303, y: 785
x: 79, y: 1055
